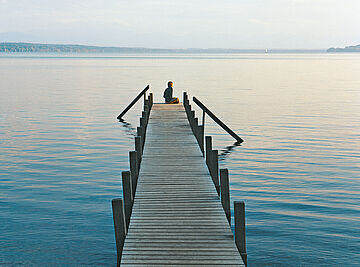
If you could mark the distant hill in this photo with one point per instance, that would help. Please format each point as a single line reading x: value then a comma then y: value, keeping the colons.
x: 68, y: 48
x: 354, y: 48
x: 64, y: 48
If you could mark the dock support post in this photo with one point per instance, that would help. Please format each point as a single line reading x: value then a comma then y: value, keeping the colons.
x: 142, y: 121
x: 198, y: 131
x: 214, y: 169
x: 225, y: 194
x: 187, y: 103
x: 133, y: 170
x: 208, y: 148
x: 184, y: 99
x: 240, y: 239
x: 195, y: 128
x: 147, y: 116
x: 188, y: 112
x: 146, y: 108
x: 151, y: 97
x: 201, y: 138
x: 127, y: 195
x: 139, y: 134
x: 144, y: 116
x: 143, y: 129
x: 138, y: 149
x: 119, y: 226
x: 192, y: 117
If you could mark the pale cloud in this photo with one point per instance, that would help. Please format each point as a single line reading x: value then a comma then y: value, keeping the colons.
x: 201, y: 23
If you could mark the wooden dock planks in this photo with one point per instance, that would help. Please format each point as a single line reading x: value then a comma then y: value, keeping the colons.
x: 177, y: 217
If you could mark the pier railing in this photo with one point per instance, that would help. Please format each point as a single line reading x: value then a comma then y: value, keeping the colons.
x: 220, y: 177
x: 136, y: 99
x: 122, y: 207
x: 206, y: 145
x: 198, y: 129
x: 216, y: 119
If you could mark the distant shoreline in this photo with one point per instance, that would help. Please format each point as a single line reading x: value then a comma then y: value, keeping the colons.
x: 347, y: 49
x: 12, y: 47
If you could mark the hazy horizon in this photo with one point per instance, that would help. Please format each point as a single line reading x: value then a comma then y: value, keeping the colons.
x: 281, y: 24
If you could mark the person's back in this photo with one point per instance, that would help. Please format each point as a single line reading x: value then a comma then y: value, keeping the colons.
x: 169, y: 99
x: 168, y: 94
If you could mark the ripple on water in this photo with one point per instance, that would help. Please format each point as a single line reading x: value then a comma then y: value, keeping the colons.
x: 62, y: 151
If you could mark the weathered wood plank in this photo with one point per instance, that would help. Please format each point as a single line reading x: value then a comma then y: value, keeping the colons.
x: 184, y: 261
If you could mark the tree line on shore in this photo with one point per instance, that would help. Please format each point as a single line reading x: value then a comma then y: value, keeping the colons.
x: 56, y: 48
x: 69, y: 48
x: 353, y: 48
x: 12, y: 47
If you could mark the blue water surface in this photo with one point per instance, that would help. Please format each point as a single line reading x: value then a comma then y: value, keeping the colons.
x: 62, y: 151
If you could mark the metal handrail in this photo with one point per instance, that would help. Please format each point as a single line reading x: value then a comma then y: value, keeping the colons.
x: 217, y: 120
x: 133, y: 102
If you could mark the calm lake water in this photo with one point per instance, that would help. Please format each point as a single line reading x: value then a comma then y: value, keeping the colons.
x: 62, y: 151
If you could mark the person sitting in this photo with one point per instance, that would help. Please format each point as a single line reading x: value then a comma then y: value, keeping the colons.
x: 169, y: 99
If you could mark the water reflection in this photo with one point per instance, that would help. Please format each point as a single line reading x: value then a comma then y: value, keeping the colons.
x: 225, y: 152
x: 129, y: 129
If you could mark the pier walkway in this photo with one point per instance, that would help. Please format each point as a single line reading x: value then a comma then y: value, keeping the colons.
x: 176, y: 216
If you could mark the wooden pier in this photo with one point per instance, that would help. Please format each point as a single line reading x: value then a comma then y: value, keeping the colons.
x: 171, y: 212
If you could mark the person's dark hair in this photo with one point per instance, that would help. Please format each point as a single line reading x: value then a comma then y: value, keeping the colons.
x: 169, y: 82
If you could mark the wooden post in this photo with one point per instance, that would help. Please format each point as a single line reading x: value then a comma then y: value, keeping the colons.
x: 186, y: 102
x: 240, y: 238
x: 143, y: 130
x: 215, y: 169
x: 196, y: 128
x: 188, y: 112
x: 201, y: 138
x: 138, y: 149
x: 208, y: 148
x: 203, y: 118
x: 119, y: 226
x: 143, y: 115
x: 225, y: 194
x: 192, y: 115
x: 139, y: 133
x: 151, y: 99
x: 142, y: 137
x: 191, y: 119
x: 147, y: 115
x: 127, y: 195
x: 133, y: 170
x: 146, y: 108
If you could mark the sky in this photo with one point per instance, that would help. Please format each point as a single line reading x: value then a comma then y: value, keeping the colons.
x: 259, y: 24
